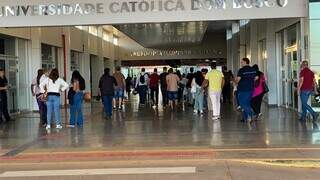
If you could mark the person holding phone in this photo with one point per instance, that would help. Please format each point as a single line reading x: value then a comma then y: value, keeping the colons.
x: 3, y: 97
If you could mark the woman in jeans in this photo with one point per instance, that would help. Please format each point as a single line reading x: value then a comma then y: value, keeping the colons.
x: 78, y: 86
x: 54, y: 86
x: 199, y: 92
x: 35, y: 90
x: 258, y: 92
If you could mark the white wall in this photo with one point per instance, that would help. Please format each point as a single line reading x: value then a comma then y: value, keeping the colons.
x: 78, y: 40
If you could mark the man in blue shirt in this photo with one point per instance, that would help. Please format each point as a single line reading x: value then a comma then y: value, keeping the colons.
x: 245, y: 79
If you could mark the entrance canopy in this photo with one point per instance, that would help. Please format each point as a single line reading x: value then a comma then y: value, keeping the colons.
x: 17, y: 13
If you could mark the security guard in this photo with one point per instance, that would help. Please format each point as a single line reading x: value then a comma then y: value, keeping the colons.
x: 3, y: 96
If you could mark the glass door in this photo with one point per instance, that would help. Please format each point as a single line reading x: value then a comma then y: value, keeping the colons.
x: 289, y: 69
x: 9, y: 64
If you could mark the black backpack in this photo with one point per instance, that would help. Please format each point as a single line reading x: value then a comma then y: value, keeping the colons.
x: 142, y: 79
x: 82, y: 84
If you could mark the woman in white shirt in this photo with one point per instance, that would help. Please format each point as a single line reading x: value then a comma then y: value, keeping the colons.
x: 198, y: 91
x: 54, y: 86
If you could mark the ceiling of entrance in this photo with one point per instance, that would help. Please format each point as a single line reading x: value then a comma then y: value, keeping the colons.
x: 169, y: 35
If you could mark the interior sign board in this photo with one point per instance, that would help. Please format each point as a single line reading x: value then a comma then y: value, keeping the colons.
x: 17, y: 13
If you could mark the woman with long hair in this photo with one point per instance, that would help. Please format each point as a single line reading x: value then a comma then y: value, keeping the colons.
x: 77, y: 87
x: 181, y: 87
x: 199, y: 92
x: 54, y: 85
x: 38, y: 93
x: 258, y: 92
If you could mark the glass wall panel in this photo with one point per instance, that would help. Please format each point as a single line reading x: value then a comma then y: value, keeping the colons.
x: 49, y: 56
x: 314, y: 7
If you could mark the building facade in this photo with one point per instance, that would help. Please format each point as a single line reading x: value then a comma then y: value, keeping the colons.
x: 276, y: 34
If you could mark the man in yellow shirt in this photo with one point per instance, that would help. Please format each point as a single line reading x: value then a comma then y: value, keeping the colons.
x: 215, y: 80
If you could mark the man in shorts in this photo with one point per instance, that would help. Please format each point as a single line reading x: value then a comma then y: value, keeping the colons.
x: 119, y: 90
x: 172, y: 88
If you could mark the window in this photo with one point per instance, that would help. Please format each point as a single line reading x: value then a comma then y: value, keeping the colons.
x: 49, y: 56
x: 75, y: 60
x: 106, y: 36
x: 79, y: 27
x: 116, y: 41
x: 93, y: 30
x: 2, y: 49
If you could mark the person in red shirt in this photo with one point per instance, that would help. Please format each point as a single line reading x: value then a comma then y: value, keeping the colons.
x: 154, y: 87
x: 307, y: 86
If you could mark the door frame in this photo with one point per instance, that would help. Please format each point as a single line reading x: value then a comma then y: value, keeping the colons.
x: 282, y: 55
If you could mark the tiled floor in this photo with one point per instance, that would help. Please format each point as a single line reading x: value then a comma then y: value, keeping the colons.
x: 146, y: 128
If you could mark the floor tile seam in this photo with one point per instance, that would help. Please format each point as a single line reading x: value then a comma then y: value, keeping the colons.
x: 153, y: 156
x: 173, y: 149
x: 265, y: 162
x: 36, y: 161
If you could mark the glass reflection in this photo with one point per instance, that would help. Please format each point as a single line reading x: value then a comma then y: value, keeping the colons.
x: 314, y: 7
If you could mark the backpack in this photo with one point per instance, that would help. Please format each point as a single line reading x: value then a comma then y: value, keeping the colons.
x: 82, y: 84
x: 142, y: 79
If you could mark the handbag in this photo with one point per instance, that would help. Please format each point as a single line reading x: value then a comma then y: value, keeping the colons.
x: 71, y: 94
x: 265, y: 88
x: 44, y: 97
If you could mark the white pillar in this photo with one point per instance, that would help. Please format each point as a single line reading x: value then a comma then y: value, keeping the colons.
x: 273, y: 77
x: 111, y: 63
x: 254, y: 44
x: 243, y: 42
x: 229, y: 49
x: 98, y: 66
x: 85, y: 59
x: 35, y: 58
x: 235, y: 47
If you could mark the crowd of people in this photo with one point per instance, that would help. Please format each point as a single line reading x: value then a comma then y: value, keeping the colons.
x: 203, y: 90
x: 195, y: 89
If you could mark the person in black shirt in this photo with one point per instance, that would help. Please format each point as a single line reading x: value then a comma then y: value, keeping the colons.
x: 3, y: 96
x: 107, y: 85
x: 128, y: 85
x: 245, y: 79
x: 226, y: 91
x: 190, y: 77
x: 163, y: 86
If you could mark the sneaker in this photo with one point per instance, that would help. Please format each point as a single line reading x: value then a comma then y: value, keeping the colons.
x: 249, y: 120
x: 195, y: 111
x: 58, y: 126
x: 315, y: 117
x: 215, y: 118
x: 48, y: 127
x: 71, y: 126
x: 257, y: 117
x: 114, y: 108
x: 120, y: 108
x: 201, y: 112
